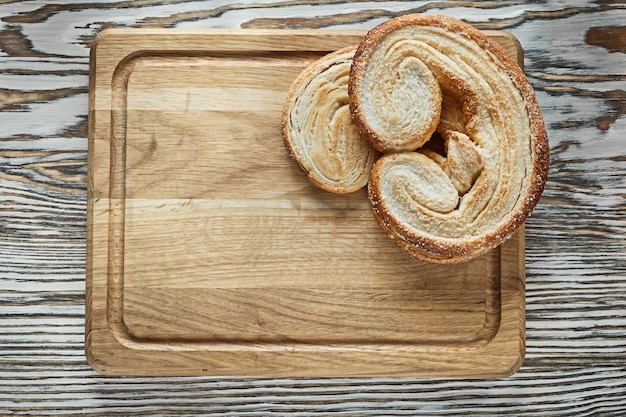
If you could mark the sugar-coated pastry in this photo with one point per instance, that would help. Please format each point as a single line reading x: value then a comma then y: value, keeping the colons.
x: 319, y: 131
x: 454, y: 205
x: 395, y: 97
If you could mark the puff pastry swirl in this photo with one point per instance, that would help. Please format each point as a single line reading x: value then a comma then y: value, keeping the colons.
x: 318, y: 129
x: 455, y: 205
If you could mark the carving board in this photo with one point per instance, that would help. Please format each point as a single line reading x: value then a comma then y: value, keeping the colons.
x: 209, y: 253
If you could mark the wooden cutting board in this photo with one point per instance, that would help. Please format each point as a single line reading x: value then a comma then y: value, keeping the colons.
x: 209, y: 253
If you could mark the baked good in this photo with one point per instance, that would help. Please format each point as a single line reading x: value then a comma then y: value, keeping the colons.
x: 455, y: 205
x: 318, y: 129
x: 395, y: 98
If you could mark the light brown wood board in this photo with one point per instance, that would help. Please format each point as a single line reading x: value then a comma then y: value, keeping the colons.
x: 209, y: 253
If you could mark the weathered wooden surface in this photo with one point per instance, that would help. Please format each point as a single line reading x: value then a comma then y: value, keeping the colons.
x: 576, y: 239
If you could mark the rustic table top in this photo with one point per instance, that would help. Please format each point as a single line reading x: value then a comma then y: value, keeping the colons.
x: 575, y: 240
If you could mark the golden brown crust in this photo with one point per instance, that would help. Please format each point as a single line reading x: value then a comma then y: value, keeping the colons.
x: 488, y: 100
x: 318, y: 130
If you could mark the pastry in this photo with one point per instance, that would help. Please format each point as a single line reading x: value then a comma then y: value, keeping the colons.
x: 453, y: 205
x: 319, y: 131
x: 395, y: 99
